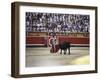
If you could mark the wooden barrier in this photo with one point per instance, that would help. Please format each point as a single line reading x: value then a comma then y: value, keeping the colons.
x: 43, y: 40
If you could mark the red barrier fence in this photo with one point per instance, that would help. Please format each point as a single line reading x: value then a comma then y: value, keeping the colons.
x: 35, y: 40
x: 74, y: 40
x: 42, y: 40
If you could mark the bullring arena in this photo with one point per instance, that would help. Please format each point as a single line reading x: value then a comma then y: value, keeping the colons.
x: 73, y: 28
x: 42, y: 57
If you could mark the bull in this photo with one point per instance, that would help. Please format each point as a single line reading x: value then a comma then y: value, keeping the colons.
x: 65, y: 46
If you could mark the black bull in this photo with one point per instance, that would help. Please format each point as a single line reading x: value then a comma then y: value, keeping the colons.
x: 65, y: 46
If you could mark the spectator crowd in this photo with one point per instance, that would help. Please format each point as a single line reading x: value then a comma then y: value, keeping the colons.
x: 56, y: 22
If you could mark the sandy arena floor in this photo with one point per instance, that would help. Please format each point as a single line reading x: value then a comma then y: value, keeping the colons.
x: 41, y: 56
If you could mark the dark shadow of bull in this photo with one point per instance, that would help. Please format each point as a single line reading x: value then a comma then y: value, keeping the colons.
x: 65, y: 46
